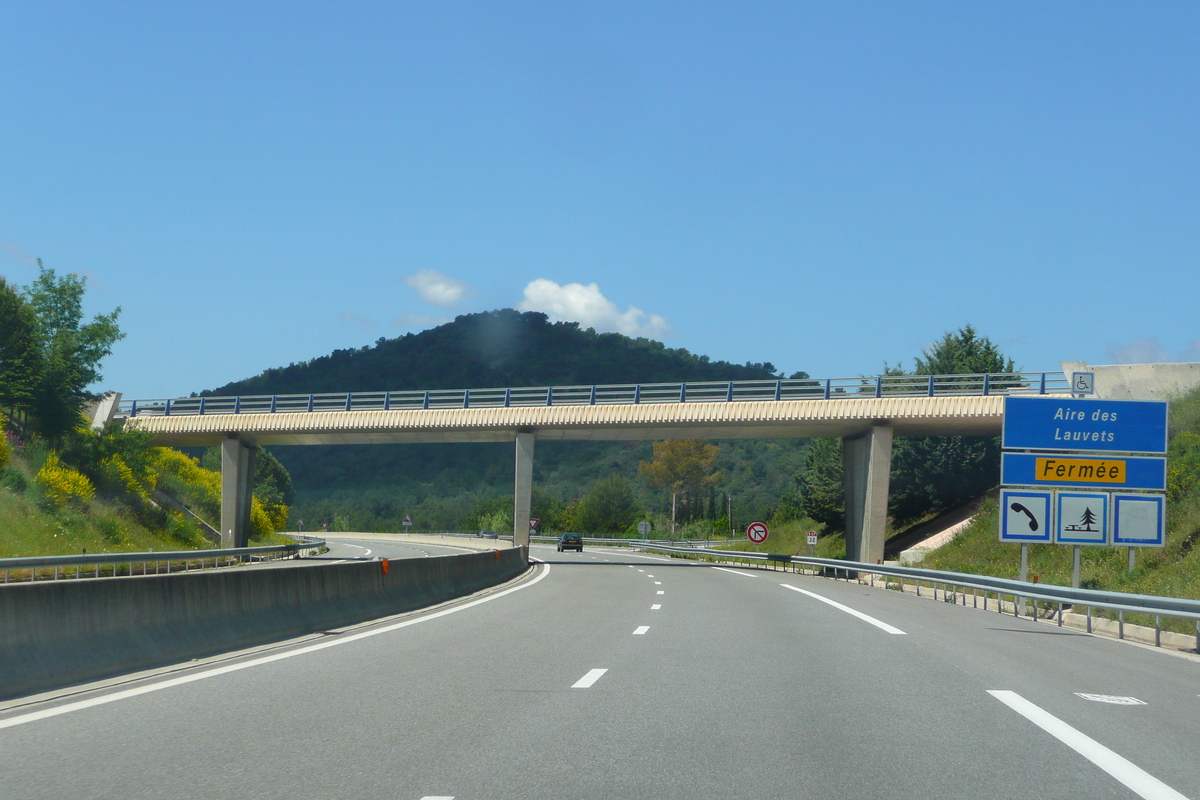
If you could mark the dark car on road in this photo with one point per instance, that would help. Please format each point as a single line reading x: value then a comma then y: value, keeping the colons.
x: 570, y: 541
x: 488, y: 535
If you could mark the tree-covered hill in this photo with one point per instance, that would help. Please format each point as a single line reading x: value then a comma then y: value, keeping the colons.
x: 495, y: 348
x: 375, y: 486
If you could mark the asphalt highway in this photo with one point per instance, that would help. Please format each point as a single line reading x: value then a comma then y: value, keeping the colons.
x: 613, y: 675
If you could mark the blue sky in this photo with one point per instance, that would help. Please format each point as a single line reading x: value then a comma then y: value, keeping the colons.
x: 823, y: 186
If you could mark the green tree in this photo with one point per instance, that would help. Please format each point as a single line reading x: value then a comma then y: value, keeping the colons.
x: 609, y: 507
x: 962, y: 353
x: 937, y: 472
x: 70, y: 351
x: 684, y: 466
x: 819, y: 491
x: 19, y: 354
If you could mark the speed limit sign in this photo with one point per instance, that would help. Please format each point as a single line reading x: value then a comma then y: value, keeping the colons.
x: 757, y: 532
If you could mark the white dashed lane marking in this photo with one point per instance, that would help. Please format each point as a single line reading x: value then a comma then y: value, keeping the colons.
x: 656, y: 607
x: 591, y: 677
x: 660, y: 591
x: 641, y: 629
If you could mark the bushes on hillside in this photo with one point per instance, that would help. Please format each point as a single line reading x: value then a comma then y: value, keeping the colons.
x: 62, y: 485
x: 5, y: 452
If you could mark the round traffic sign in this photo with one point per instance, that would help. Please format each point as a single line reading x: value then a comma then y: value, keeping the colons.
x: 757, y: 532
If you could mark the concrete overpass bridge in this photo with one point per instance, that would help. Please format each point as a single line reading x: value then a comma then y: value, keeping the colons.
x: 865, y: 412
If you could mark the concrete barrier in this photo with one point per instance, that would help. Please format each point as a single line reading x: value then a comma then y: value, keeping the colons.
x: 59, y: 633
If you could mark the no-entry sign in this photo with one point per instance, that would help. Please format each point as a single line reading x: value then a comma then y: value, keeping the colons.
x: 757, y: 532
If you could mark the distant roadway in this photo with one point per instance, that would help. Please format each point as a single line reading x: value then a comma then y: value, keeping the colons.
x: 609, y: 674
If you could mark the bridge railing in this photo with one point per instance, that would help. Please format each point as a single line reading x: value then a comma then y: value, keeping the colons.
x: 1002, y: 383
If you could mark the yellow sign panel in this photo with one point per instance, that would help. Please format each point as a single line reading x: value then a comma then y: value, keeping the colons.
x: 1085, y: 470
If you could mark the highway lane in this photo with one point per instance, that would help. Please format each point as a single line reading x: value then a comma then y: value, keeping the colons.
x: 352, y: 549
x: 365, y: 549
x: 734, y: 686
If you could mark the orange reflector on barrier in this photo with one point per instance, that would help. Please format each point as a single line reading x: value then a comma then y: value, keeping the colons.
x: 497, y: 552
x: 384, y: 564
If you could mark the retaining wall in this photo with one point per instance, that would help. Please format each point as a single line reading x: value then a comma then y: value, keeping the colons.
x: 58, y: 633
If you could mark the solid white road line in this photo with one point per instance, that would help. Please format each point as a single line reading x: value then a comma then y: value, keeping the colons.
x: 641, y: 629
x: 67, y: 708
x: 1134, y: 777
x: 735, y: 572
x: 864, y: 617
x: 587, y: 680
x: 438, y: 797
x: 656, y: 607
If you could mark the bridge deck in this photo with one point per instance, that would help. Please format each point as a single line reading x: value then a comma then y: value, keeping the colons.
x: 909, y: 416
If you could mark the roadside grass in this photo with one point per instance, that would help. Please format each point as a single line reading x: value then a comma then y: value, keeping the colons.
x: 1171, y: 571
x: 791, y: 538
x: 31, y: 527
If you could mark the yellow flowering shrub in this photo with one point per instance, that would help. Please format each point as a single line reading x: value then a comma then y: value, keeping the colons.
x: 116, y: 470
x: 63, y: 484
x: 205, y: 487
x: 5, y: 453
x: 188, y: 470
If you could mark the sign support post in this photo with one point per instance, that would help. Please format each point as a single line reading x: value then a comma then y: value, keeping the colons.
x: 1075, y: 567
x: 1024, y: 561
x: 1132, y: 558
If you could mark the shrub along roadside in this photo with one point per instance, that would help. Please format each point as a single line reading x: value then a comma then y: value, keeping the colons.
x: 1172, y: 571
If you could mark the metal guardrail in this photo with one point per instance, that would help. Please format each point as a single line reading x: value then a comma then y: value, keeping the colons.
x: 620, y: 542
x: 191, y: 559
x: 1020, y: 591
x: 996, y: 383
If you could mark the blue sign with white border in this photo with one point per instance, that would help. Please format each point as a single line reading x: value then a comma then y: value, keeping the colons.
x: 1042, y: 469
x: 1062, y: 423
x: 1026, y: 516
x: 1082, y: 518
x: 1139, y: 520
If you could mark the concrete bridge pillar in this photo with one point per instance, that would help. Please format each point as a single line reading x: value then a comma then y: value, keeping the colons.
x: 523, y: 490
x: 237, y: 489
x: 866, y: 468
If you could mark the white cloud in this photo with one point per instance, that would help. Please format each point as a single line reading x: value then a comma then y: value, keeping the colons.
x: 18, y: 254
x: 418, y: 321
x: 438, y: 289
x: 1140, y: 351
x: 591, y: 309
x: 364, y: 323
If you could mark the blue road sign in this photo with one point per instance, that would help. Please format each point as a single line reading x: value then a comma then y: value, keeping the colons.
x: 1081, y: 517
x: 1109, y: 426
x: 1139, y: 520
x: 1025, y: 516
x: 1092, y: 472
